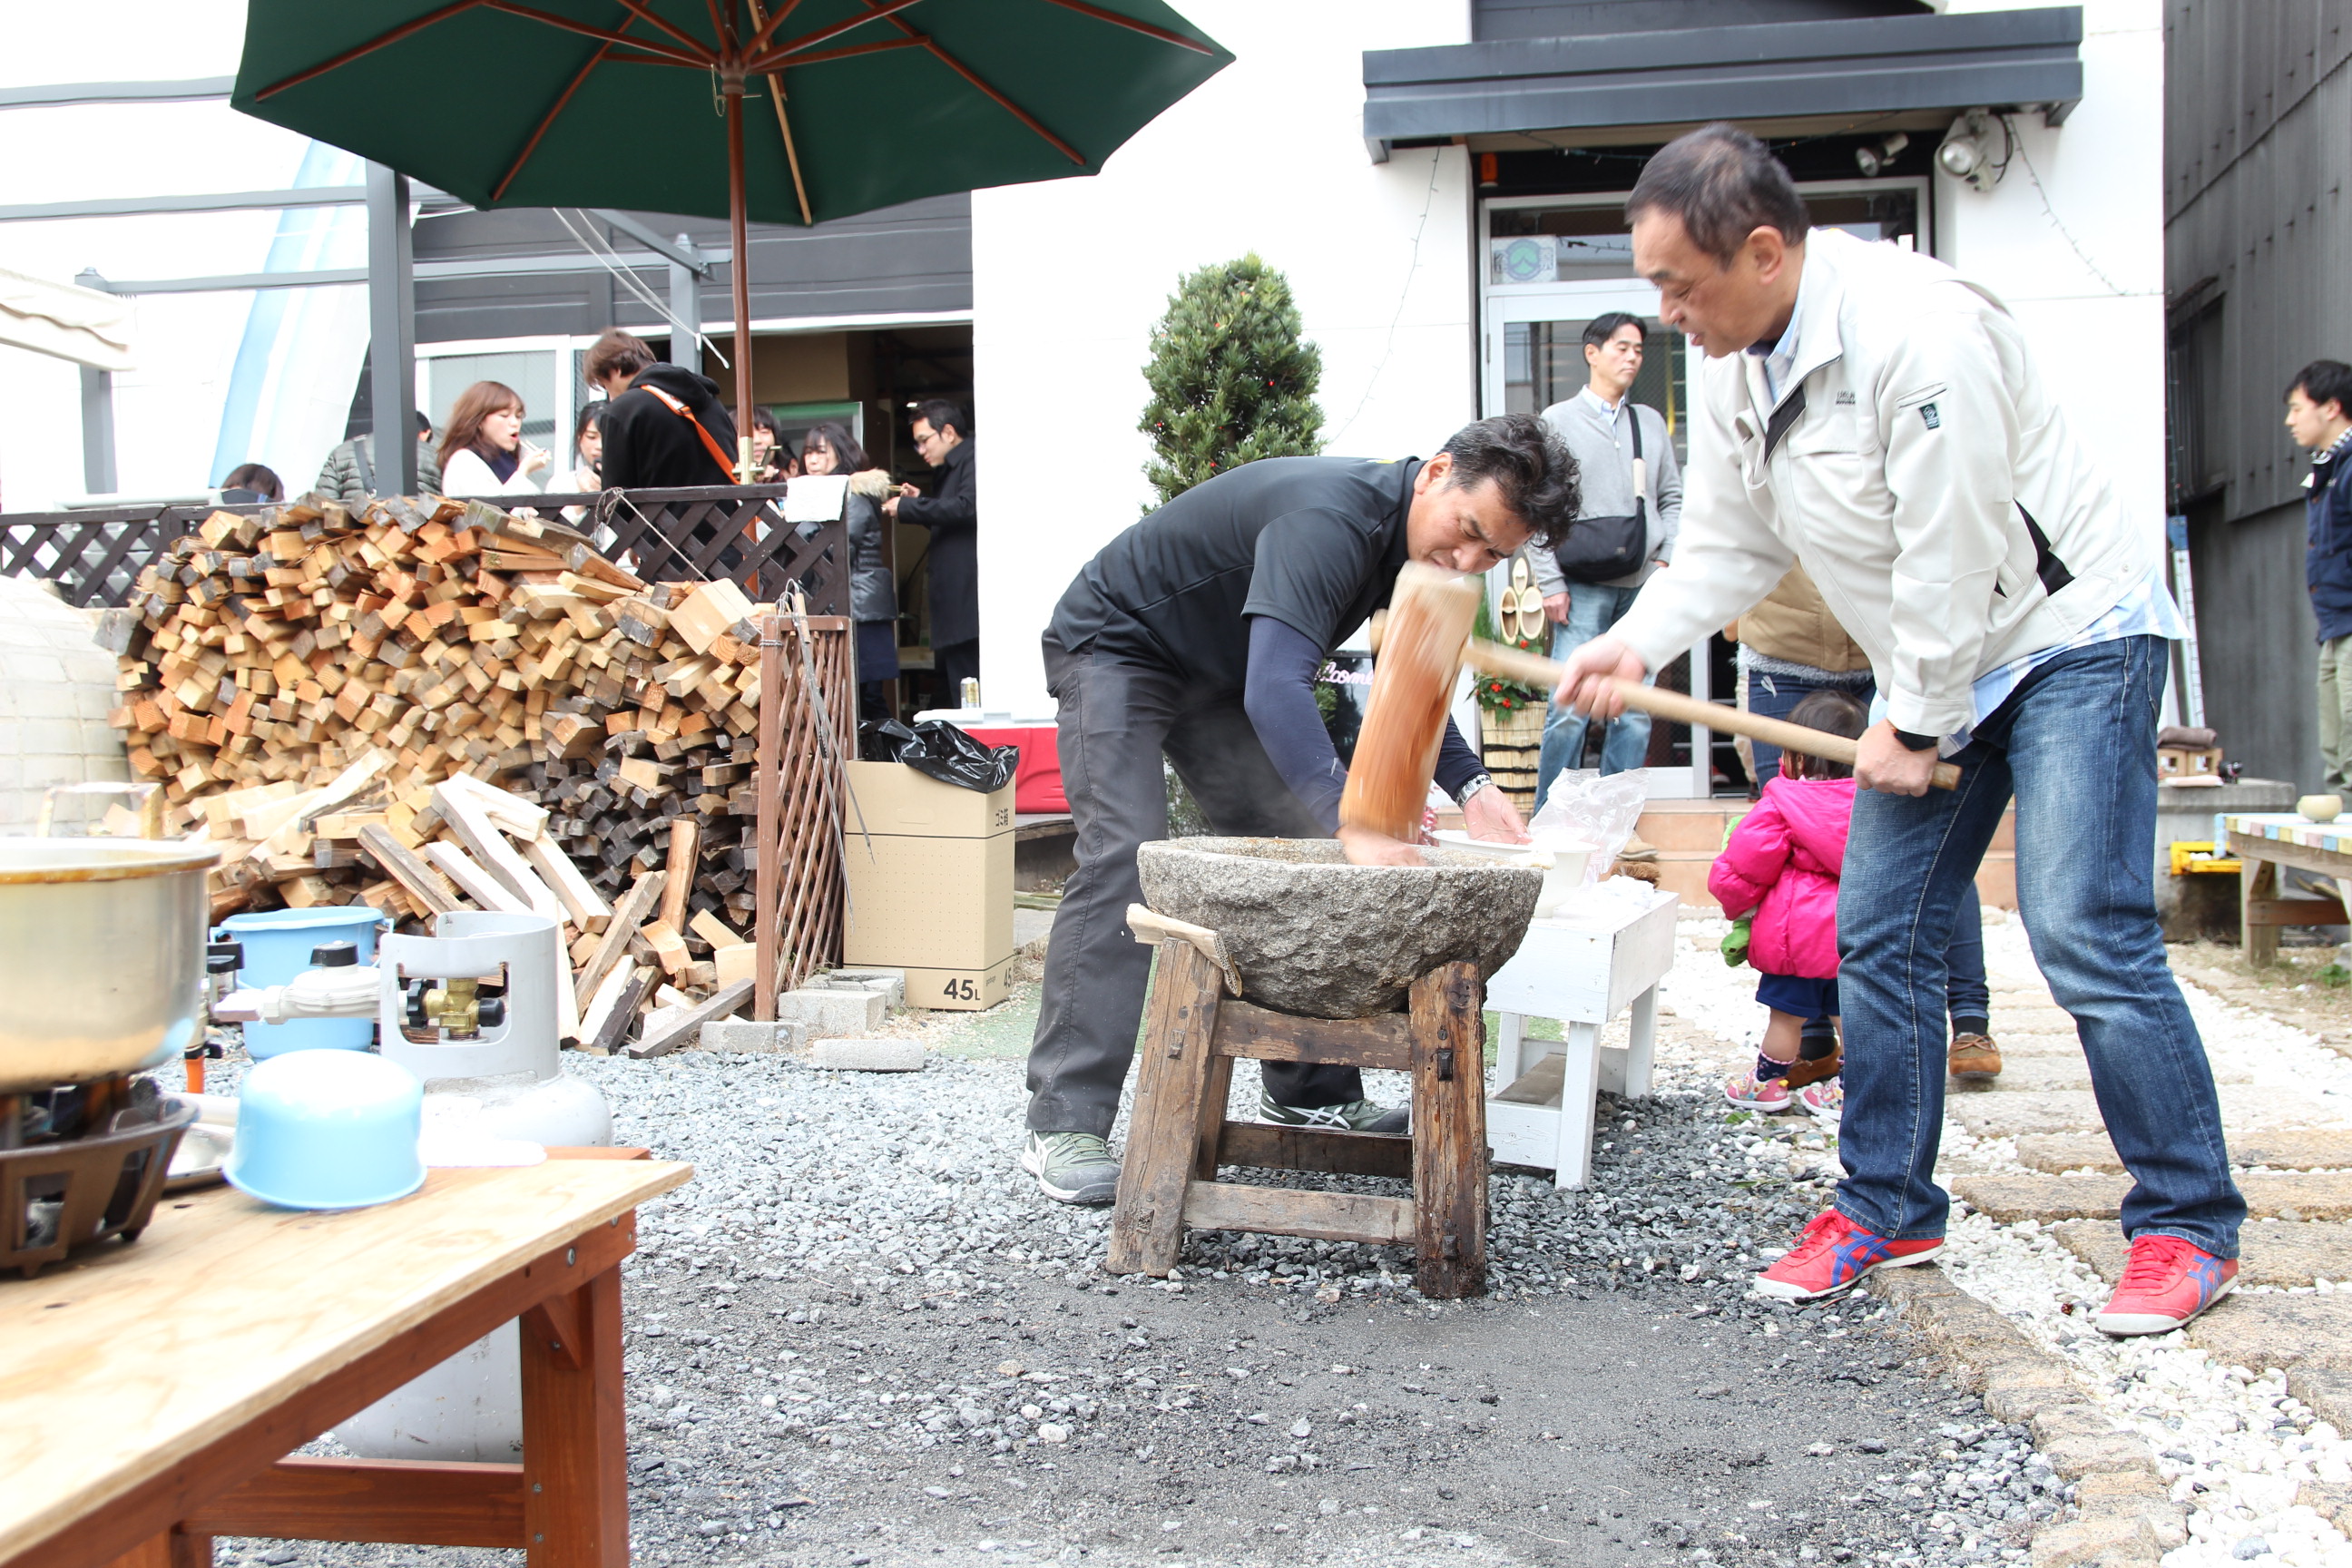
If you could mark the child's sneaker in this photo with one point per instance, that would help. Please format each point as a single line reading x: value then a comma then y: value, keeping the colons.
x: 1826, y: 1101
x: 2167, y: 1282
x: 1769, y: 1095
x: 1831, y: 1255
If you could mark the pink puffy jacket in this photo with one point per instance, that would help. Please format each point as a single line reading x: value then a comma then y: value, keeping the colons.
x: 1782, y: 862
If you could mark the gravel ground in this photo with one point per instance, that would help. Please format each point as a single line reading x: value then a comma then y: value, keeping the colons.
x: 860, y: 1337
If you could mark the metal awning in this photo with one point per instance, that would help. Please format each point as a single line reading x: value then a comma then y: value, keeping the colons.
x: 80, y: 325
x: 1803, y: 71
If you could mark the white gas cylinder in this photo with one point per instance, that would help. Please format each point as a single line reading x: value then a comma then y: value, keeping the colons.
x: 505, y: 1081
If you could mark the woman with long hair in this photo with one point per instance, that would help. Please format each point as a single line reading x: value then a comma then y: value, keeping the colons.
x: 482, y: 449
x: 830, y: 448
x: 771, y: 456
x: 588, y: 446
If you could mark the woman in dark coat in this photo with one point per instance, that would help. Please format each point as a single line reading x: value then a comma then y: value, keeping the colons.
x: 830, y: 448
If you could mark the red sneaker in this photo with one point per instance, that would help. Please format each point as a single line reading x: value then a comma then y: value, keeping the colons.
x: 2167, y: 1282
x: 1832, y: 1253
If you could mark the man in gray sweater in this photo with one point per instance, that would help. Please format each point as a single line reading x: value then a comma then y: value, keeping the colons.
x: 1598, y: 426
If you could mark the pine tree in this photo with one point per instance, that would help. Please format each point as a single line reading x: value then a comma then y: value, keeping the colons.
x: 1231, y: 380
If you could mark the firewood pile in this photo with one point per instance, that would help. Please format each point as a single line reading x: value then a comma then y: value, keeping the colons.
x: 433, y: 705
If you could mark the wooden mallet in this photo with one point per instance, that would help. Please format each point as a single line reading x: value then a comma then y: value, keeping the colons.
x: 1419, y: 640
x: 1514, y: 664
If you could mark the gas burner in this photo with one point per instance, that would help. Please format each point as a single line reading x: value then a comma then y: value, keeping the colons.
x: 82, y: 1163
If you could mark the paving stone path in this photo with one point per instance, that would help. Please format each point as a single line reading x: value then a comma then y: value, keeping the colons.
x: 2261, y: 1478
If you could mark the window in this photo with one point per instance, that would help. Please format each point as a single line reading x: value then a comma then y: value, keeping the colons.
x: 2193, y: 403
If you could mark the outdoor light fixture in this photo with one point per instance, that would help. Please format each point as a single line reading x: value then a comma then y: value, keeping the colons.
x: 1870, y: 159
x: 1965, y: 154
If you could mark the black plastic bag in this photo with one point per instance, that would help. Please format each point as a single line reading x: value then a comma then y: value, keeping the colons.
x: 938, y: 750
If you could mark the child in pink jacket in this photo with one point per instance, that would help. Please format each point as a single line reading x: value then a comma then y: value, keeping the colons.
x: 1782, y: 865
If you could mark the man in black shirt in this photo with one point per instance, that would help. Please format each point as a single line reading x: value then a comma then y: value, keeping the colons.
x: 665, y: 427
x: 1197, y: 633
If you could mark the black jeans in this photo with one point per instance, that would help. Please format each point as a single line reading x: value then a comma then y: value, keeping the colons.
x: 1117, y: 721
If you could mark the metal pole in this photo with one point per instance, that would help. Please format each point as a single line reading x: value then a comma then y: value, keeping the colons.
x: 685, y: 311
x: 97, y: 413
x: 391, y: 331
x: 98, y: 431
x: 740, y: 271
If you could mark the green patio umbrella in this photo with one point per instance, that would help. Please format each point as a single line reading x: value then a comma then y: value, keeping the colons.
x: 643, y: 103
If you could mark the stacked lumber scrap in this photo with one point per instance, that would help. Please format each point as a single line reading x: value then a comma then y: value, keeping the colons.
x: 429, y: 705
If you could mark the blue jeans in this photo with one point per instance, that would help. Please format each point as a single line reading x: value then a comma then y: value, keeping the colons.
x: 2076, y: 743
x: 1775, y: 696
x: 1591, y: 610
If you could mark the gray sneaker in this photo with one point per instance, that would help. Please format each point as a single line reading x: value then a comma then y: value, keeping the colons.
x: 1071, y: 1167
x: 1356, y: 1116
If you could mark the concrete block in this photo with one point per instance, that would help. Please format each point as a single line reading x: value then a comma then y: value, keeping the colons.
x: 867, y: 1056
x: 833, y: 1014
x: 747, y: 1035
x: 2276, y: 1330
x: 2286, y: 1254
x: 891, y: 983
x: 2096, y: 1543
x: 2010, y: 1200
x: 2078, y: 1441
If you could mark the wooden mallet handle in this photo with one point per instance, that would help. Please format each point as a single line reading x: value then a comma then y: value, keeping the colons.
x: 1514, y: 664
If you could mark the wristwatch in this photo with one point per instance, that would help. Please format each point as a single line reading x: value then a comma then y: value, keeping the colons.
x: 1478, y: 782
x: 1918, y: 742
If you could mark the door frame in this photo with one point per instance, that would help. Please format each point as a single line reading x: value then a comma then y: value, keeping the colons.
x: 1501, y: 304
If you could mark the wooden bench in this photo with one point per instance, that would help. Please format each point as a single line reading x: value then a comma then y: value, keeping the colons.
x: 2263, y: 842
x: 1179, y: 1134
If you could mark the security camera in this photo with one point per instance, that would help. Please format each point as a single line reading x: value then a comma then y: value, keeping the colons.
x: 1967, y: 150
x: 1870, y: 159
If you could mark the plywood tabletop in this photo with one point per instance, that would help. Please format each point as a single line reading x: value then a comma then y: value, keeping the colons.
x: 135, y: 1357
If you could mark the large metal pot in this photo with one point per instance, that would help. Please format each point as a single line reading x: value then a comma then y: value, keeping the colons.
x: 102, y: 956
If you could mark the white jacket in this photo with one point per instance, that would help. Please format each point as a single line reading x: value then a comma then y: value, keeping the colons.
x: 465, y: 474
x: 1918, y: 469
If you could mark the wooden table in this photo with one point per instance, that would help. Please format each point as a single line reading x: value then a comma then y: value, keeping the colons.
x: 1583, y: 967
x: 2263, y: 842
x: 149, y: 1393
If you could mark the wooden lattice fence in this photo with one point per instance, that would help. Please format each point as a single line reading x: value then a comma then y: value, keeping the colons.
x: 807, y: 731
x: 94, y: 557
x: 667, y: 535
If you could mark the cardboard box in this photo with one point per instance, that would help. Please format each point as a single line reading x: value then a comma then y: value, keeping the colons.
x: 930, y: 885
x: 960, y: 990
x: 929, y: 903
x: 893, y: 798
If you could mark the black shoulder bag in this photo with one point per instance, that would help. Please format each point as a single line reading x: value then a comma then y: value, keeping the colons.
x: 1603, y: 549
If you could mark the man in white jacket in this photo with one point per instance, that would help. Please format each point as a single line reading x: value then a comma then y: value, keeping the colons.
x: 1870, y: 414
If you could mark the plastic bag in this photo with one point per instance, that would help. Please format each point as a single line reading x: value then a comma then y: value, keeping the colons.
x: 937, y: 749
x: 1599, y: 811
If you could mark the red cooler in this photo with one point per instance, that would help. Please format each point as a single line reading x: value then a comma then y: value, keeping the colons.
x: 1038, y: 784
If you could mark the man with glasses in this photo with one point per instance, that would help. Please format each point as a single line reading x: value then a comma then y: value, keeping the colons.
x: 1191, y: 642
x: 943, y: 437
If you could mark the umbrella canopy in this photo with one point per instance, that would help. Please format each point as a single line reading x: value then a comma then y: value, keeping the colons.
x: 789, y: 111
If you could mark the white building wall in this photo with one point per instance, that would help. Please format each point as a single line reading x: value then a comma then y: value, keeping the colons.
x: 1068, y: 275
x: 2073, y: 241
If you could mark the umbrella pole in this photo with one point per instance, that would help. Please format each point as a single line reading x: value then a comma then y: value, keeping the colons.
x: 740, y: 271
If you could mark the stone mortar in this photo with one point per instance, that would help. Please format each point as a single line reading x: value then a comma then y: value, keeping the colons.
x: 1313, y: 935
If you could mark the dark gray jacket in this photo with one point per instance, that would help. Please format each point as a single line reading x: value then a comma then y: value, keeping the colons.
x: 349, y: 475
x: 873, y: 596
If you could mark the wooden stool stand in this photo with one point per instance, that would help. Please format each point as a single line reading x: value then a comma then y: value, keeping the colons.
x: 1179, y: 1135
